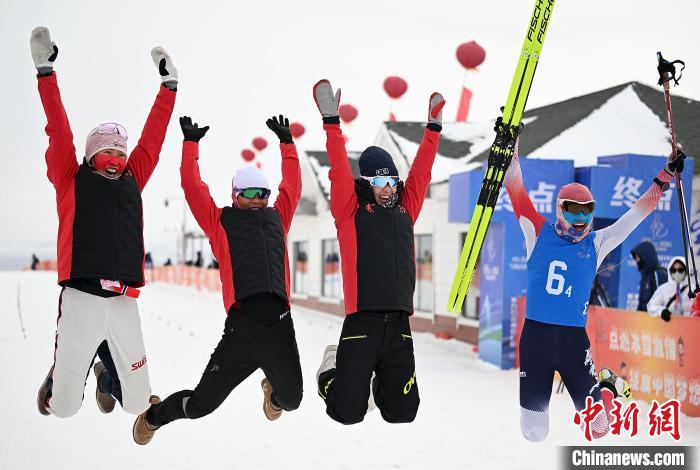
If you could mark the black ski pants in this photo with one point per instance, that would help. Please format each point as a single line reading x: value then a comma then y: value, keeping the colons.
x: 378, y: 342
x: 545, y: 348
x: 246, y: 345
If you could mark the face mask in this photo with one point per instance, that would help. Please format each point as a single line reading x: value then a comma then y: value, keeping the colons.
x: 103, y: 161
x: 678, y: 275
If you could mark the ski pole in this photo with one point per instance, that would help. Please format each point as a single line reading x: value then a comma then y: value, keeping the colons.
x: 686, y: 234
x: 667, y: 72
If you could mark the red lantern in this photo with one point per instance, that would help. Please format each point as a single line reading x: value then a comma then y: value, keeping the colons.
x: 395, y: 87
x: 297, y: 129
x: 259, y: 143
x: 470, y: 55
x: 347, y: 113
x: 248, y: 155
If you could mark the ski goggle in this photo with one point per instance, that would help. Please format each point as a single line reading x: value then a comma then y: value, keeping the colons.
x: 251, y: 193
x: 109, y: 128
x: 575, y: 208
x: 679, y: 270
x: 381, y: 181
x: 104, y: 161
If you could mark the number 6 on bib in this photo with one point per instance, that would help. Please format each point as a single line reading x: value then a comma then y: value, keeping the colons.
x: 555, y: 280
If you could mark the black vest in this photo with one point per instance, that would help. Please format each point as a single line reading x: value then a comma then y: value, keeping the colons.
x: 256, y: 245
x: 107, y: 228
x: 386, y: 269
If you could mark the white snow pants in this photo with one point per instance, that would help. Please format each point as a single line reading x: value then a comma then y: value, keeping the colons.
x: 84, y: 321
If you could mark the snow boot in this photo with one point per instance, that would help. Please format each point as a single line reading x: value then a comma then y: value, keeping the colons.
x: 105, y: 400
x: 142, y: 431
x: 272, y: 411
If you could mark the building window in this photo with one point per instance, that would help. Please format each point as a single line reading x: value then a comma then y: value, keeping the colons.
x: 470, y: 308
x: 331, y: 269
x: 423, y: 296
x: 301, y: 267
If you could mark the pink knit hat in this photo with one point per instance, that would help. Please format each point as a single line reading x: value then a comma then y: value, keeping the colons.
x: 106, y: 136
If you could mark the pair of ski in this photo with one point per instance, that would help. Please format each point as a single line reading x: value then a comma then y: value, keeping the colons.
x: 507, y: 129
x: 667, y: 73
x: 501, y: 153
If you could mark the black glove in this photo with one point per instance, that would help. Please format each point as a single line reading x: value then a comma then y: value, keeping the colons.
x: 675, y: 165
x: 192, y: 132
x: 666, y: 314
x: 281, y: 128
x: 500, y: 128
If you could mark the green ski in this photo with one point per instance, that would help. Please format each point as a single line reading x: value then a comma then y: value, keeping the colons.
x: 501, y: 153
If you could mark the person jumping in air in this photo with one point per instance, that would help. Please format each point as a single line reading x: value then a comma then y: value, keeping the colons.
x: 374, y: 216
x: 562, y: 261
x: 100, y: 245
x: 248, y: 239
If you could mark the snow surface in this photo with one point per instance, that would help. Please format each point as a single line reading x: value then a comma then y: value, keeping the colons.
x: 468, y: 416
x: 623, y: 124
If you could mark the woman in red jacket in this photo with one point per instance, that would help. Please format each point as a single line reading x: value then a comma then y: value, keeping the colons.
x: 249, y: 241
x: 100, y: 244
x: 374, y: 217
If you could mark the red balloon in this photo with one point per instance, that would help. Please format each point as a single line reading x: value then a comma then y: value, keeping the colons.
x: 297, y: 129
x: 248, y: 155
x: 470, y: 55
x: 395, y: 87
x: 259, y: 143
x: 347, y: 112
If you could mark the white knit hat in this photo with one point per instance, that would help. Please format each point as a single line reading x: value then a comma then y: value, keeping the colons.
x: 250, y: 177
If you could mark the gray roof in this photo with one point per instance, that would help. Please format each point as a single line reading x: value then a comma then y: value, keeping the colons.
x: 555, y: 118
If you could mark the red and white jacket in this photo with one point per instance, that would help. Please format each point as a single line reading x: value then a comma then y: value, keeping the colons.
x: 376, y: 244
x: 100, y: 231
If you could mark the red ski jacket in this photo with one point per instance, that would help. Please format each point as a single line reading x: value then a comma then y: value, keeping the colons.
x: 100, y: 223
x: 250, y: 244
x: 376, y: 244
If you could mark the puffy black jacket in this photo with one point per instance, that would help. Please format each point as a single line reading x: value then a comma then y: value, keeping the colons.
x: 107, y: 228
x: 386, y: 268
x: 257, y: 249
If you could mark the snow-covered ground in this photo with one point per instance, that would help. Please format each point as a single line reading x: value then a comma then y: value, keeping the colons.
x: 468, y: 416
